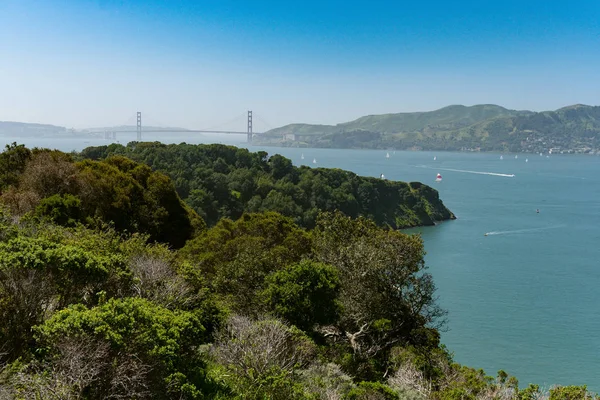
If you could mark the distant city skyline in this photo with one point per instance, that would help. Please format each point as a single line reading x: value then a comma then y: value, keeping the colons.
x: 198, y: 64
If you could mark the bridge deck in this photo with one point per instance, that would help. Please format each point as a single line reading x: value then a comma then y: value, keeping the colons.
x: 183, y: 131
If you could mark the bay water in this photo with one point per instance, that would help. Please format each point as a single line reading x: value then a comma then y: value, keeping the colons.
x: 524, y: 298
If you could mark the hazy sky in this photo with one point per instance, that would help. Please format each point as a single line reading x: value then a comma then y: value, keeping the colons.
x: 199, y: 64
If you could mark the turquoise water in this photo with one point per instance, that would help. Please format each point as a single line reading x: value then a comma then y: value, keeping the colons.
x: 526, y: 297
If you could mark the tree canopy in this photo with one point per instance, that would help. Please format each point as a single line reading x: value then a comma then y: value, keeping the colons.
x: 220, y: 181
x: 129, y: 195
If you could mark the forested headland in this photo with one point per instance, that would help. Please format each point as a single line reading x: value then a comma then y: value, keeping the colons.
x: 219, y: 181
x: 210, y: 272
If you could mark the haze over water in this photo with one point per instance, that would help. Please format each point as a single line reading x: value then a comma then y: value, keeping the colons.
x: 524, y: 298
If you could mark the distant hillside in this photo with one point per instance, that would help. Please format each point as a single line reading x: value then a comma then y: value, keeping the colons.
x: 477, y: 128
x: 448, y: 117
x: 21, y: 129
x: 24, y: 129
x: 454, y: 116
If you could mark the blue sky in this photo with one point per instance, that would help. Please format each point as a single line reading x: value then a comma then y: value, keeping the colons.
x: 199, y: 64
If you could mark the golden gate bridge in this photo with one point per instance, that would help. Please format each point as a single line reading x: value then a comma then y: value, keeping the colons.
x: 112, y: 133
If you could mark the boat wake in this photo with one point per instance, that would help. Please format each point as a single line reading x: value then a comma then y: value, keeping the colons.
x: 470, y: 172
x: 522, y: 230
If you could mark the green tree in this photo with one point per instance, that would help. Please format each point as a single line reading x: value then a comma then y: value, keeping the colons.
x: 281, y: 203
x: 305, y: 294
x: 39, y: 276
x: 280, y: 166
x: 372, y: 391
x: 163, y: 344
x: 236, y: 257
x: 135, y: 198
x: 531, y: 392
x: 571, y: 393
x: 61, y: 209
x: 387, y: 297
x: 13, y: 160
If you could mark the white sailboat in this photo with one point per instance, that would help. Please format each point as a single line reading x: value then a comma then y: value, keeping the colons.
x: 516, y: 157
x: 387, y: 155
x: 434, y: 158
x: 314, y: 160
x: 527, y: 160
x: 502, y: 158
x: 302, y: 156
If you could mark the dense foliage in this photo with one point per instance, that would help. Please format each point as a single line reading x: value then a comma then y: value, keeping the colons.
x: 50, y: 184
x: 481, y: 127
x: 220, y: 181
x: 253, y: 308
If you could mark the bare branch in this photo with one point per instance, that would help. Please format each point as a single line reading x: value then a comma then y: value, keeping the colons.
x: 156, y: 280
x: 326, y: 381
x: 407, y: 377
x: 353, y: 337
x: 253, y: 349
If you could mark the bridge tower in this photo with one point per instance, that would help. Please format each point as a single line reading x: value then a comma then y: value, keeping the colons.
x: 139, y: 126
x: 249, y: 126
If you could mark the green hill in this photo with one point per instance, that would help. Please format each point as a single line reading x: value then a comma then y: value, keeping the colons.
x: 452, y: 116
x: 455, y: 116
x: 477, y: 128
x: 220, y: 181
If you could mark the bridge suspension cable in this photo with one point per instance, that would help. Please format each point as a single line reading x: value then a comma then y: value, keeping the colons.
x: 263, y: 122
x: 152, y: 122
x: 238, y: 118
x: 130, y: 121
